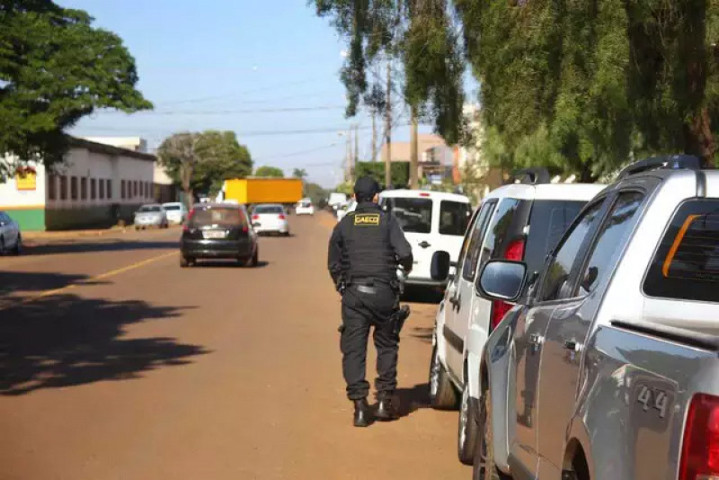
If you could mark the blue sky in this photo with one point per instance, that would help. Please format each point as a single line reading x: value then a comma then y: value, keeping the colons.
x: 229, y: 65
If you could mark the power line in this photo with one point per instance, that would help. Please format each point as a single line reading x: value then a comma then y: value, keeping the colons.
x: 221, y: 97
x: 294, y: 154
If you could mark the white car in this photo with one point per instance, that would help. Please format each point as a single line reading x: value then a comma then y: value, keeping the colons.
x: 517, y: 222
x: 305, y: 207
x: 432, y: 222
x: 270, y: 218
x: 350, y: 207
x: 176, y: 212
x: 10, y: 237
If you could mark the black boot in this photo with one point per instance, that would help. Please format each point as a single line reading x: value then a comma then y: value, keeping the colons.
x: 386, y: 410
x: 363, y: 414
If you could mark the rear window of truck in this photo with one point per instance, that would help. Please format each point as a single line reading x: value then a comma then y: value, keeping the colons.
x: 454, y: 218
x: 414, y: 214
x: 686, y: 264
x: 547, y: 223
x: 204, y: 217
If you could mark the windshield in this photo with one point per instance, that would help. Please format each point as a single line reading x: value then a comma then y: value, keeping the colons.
x: 268, y: 209
x: 171, y: 207
x: 216, y: 216
x: 149, y: 208
x: 414, y: 214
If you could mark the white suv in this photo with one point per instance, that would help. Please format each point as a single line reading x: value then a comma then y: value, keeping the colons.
x: 432, y: 222
x: 522, y: 222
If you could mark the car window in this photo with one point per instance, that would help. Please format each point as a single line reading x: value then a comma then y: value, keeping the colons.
x: 454, y: 217
x: 611, y: 240
x: 268, y: 209
x: 204, y: 217
x: 469, y: 268
x: 556, y: 278
x: 171, y: 207
x: 549, y: 219
x: 150, y: 208
x: 414, y: 214
x: 498, y: 229
x: 686, y: 264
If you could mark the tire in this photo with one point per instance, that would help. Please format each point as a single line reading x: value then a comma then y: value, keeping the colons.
x: 17, y: 250
x: 484, y: 467
x: 254, y: 260
x: 185, y: 261
x: 442, y: 394
x: 2, y: 246
x: 467, y: 428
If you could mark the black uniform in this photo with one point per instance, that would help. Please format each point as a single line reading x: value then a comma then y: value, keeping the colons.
x: 364, y: 251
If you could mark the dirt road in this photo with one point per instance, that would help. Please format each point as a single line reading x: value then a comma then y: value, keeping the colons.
x: 117, y: 364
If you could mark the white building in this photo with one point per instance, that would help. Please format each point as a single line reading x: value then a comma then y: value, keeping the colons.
x: 96, y: 185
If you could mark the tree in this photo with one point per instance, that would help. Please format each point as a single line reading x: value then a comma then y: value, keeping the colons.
x: 272, y: 172
x: 200, y: 162
x: 316, y: 193
x: 56, y: 68
x: 299, y: 173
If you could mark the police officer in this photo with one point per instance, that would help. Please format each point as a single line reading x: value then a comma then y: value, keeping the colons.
x: 364, y: 251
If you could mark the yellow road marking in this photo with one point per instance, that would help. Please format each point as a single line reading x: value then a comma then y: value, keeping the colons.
x: 111, y: 273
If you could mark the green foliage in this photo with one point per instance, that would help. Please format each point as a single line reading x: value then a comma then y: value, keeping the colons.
x: 345, y: 187
x: 272, y: 172
x: 581, y: 86
x: 299, y: 173
x: 200, y: 162
x: 399, y: 171
x: 316, y: 193
x: 56, y: 68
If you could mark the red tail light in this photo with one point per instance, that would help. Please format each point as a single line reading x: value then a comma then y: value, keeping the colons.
x: 514, y: 252
x: 700, y: 450
x: 245, y: 228
x: 186, y: 226
x: 282, y: 217
x: 255, y: 217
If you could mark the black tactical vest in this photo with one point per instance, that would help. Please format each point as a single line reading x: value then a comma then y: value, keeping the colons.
x: 368, y: 255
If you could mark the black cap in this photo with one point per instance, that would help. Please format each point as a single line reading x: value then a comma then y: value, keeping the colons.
x: 366, y: 188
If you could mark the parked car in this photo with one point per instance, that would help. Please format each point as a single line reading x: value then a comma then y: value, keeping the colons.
x: 337, y: 200
x: 305, y: 207
x: 176, y: 212
x: 10, y: 236
x: 520, y: 222
x: 350, y: 207
x: 218, y: 231
x: 270, y: 218
x: 431, y: 221
x: 608, y: 369
x: 151, y: 215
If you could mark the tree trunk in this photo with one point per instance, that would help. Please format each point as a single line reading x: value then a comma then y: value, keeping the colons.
x: 413, y: 151
x: 700, y: 139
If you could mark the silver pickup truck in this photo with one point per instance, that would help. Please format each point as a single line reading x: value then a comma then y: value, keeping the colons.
x: 608, y: 369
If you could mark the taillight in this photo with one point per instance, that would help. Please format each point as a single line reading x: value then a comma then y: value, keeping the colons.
x: 514, y: 252
x: 282, y: 217
x: 700, y: 449
x: 186, y: 226
x: 255, y: 217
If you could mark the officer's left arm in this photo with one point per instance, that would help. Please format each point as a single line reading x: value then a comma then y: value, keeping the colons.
x: 334, y: 255
x: 400, y: 245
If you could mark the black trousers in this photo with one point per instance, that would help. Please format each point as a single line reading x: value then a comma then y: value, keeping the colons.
x: 360, y: 311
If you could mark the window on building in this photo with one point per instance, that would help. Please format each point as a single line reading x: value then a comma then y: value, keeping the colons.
x: 63, y: 187
x: 109, y: 189
x: 73, y: 188
x: 122, y: 189
x: 101, y: 185
x: 142, y: 189
x: 51, y: 187
x: 134, y: 188
x: 93, y: 189
x: 83, y: 188
x: 149, y: 189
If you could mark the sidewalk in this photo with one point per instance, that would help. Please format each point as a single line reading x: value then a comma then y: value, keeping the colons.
x: 32, y: 237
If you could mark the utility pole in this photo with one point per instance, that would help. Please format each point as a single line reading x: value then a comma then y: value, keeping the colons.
x: 348, y: 155
x: 356, y: 158
x: 374, y: 135
x: 388, y: 128
x: 413, y: 181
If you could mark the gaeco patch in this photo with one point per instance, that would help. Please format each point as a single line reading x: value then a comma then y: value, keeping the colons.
x: 367, y: 219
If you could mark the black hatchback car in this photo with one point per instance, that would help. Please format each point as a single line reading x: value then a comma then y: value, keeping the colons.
x: 218, y: 231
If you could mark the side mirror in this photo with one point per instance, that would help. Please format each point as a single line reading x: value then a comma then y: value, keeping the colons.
x: 439, y: 268
x: 502, y: 280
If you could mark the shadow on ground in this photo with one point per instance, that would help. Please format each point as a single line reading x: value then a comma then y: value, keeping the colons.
x: 65, y: 340
x: 424, y: 334
x: 417, y: 294
x: 412, y: 399
x: 226, y: 264
x: 38, y: 281
x: 93, y: 246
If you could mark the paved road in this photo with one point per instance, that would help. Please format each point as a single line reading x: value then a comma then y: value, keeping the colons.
x: 117, y: 364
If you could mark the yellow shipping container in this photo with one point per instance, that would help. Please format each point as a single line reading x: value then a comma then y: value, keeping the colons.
x: 264, y: 190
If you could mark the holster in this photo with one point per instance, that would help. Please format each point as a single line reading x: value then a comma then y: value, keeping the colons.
x: 398, y: 318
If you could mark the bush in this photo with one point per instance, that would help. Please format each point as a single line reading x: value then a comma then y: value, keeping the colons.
x: 399, y: 172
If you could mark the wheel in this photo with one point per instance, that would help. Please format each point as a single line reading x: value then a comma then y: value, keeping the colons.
x: 18, y: 246
x: 186, y: 261
x: 137, y: 228
x: 2, y: 246
x: 252, y: 262
x: 484, y: 467
x: 442, y: 394
x: 467, y: 428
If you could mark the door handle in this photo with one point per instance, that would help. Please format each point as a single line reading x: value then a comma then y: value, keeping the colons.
x: 424, y: 244
x: 536, y: 339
